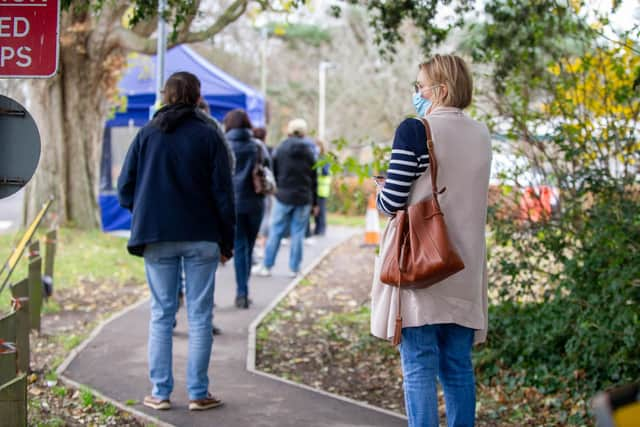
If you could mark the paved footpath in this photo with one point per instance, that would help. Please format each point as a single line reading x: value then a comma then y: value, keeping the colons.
x: 114, y: 363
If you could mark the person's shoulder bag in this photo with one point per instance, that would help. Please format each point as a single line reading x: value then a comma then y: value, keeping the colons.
x: 264, y: 182
x: 421, y: 253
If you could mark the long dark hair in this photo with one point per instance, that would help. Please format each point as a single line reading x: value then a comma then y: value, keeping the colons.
x: 181, y: 88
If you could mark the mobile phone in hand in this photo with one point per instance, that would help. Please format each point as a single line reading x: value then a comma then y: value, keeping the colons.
x: 379, y: 179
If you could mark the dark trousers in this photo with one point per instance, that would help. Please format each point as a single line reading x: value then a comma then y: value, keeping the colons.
x: 321, y: 218
x: 247, y: 227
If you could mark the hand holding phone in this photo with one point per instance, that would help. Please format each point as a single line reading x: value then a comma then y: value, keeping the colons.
x: 379, y: 179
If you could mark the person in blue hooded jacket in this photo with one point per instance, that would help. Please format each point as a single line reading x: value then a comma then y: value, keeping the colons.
x: 176, y: 181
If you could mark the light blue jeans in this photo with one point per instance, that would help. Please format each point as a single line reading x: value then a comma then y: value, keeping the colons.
x: 283, y: 217
x: 165, y: 263
x: 442, y: 351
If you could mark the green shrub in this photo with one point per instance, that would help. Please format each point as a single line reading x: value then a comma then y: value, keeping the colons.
x: 349, y: 195
x: 584, y: 335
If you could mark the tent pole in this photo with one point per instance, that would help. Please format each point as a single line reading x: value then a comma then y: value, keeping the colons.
x: 162, y: 47
x: 263, y: 54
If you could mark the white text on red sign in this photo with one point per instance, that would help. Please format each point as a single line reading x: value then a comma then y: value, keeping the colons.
x: 28, y: 38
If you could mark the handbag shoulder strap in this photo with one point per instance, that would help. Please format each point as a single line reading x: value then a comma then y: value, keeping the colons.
x: 433, y: 162
x: 259, y: 156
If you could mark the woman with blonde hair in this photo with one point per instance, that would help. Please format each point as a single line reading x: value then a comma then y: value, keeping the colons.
x: 442, y: 322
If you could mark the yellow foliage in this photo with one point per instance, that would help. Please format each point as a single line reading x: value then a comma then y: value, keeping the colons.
x: 127, y: 16
x: 279, y: 30
x: 594, y: 96
x: 595, y: 79
x: 576, y: 5
x: 288, y: 5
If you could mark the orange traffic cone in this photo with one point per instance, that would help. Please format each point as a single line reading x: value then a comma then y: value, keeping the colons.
x: 372, y: 223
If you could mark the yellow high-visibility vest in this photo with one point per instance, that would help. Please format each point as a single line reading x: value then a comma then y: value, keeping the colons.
x: 324, y: 186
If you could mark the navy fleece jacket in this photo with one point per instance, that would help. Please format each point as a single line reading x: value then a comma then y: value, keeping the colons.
x: 176, y: 181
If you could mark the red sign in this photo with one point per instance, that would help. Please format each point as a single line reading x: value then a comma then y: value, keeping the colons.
x: 29, y: 38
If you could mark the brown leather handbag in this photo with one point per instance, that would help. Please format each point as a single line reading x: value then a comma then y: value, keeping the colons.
x: 264, y: 182
x: 421, y: 253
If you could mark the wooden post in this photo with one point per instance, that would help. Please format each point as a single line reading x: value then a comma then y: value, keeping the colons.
x: 49, y: 257
x: 35, y: 285
x: 20, y: 293
x: 13, y: 402
x: 8, y: 354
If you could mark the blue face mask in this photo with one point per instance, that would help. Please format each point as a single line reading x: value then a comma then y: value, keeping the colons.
x: 421, y: 104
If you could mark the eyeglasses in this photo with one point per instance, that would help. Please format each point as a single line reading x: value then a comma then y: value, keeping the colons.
x: 417, y: 87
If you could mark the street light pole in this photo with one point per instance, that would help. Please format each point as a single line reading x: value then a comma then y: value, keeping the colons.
x: 322, y: 89
x: 263, y: 72
x: 162, y: 47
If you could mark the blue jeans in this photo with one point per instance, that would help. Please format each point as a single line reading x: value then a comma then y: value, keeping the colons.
x: 165, y: 263
x: 247, y: 226
x: 285, y: 217
x: 442, y: 351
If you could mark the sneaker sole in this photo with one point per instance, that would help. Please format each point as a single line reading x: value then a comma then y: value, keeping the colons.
x: 159, y: 407
x: 193, y: 407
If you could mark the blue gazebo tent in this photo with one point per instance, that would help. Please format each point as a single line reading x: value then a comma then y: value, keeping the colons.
x: 222, y: 92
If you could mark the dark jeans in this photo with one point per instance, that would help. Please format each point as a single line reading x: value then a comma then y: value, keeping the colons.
x: 247, y: 227
x: 321, y: 218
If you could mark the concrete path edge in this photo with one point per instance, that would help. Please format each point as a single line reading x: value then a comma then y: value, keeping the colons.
x: 74, y: 353
x: 141, y: 416
x: 251, y: 354
x: 251, y: 350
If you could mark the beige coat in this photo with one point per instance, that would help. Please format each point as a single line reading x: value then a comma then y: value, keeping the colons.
x: 463, y: 150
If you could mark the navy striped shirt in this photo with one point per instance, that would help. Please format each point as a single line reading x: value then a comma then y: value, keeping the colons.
x: 409, y: 160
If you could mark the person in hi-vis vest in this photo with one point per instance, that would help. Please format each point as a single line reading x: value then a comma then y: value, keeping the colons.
x: 324, y: 189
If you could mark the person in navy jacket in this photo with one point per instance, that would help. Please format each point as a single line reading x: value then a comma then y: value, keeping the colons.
x: 249, y: 205
x: 176, y: 181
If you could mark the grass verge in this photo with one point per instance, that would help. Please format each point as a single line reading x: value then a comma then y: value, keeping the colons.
x: 88, y: 255
x: 345, y: 220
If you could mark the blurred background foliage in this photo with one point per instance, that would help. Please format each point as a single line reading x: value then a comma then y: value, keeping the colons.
x: 558, y: 83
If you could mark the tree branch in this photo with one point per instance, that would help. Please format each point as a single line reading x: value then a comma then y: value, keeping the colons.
x: 131, y: 41
x: 147, y: 27
x: 186, y: 25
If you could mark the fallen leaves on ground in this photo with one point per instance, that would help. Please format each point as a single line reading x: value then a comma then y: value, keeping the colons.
x: 69, y: 317
x: 319, y: 336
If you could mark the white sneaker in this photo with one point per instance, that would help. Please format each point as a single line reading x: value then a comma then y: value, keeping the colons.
x: 258, y: 253
x: 309, y: 241
x: 284, y: 241
x: 293, y: 274
x: 261, y: 271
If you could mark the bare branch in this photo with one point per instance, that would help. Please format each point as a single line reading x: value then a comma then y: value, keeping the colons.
x: 147, y: 27
x: 186, y: 25
x: 359, y: 33
x: 131, y: 41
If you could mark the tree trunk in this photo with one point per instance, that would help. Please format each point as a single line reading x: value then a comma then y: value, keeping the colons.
x: 70, y: 110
